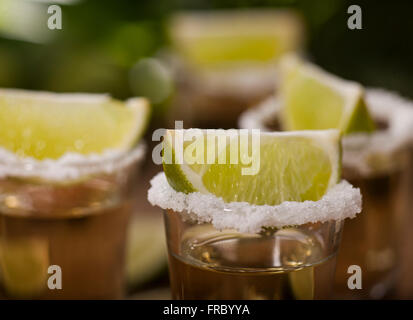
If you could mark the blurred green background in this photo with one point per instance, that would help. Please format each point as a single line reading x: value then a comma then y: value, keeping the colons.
x: 102, y: 43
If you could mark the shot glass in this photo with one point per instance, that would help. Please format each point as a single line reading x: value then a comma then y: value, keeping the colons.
x: 225, y: 61
x: 378, y: 164
x: 231, y: 258
x: 372, y: 241
x: 292, y: 263
x: 63, y: 225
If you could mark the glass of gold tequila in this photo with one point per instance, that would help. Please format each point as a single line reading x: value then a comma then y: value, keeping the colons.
x: 290, y: 263
x: 67, y: 183
x: 77, y: 225
x: 378, y: 164
x: 236, y: 250
x: 225, y: 61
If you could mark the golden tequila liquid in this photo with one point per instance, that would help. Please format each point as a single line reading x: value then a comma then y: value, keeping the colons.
x: 291, y: 263
x: 89, y: 249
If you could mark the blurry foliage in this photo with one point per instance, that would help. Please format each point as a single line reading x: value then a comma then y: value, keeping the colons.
x: 102, y: 40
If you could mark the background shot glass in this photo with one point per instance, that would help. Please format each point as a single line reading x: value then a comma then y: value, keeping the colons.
x: 79, y: 225
x: 225, y: 61
x: 372, y: 241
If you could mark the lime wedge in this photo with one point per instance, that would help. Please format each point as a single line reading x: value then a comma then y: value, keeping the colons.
x: 315, y: 100
x: 293, y: 166
x: 209, y: 39
x: 146, y: 250
x: 302, y: 283
x: 47, y: 125
x: 24, y: 266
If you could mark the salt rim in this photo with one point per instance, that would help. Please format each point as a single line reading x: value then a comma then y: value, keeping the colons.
x: 340, y: 202
x: 70, y: 166
x: 365, y: 153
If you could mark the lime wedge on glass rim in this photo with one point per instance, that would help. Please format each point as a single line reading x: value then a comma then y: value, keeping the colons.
x: 47, y: 125
x: 293, y: 166
x: 313, y: 99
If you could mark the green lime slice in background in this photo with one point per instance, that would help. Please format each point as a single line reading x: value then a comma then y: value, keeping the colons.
x: 146, y: 251
x: 313, y: 99
x: 302, y: 283
x: 23, y: 265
